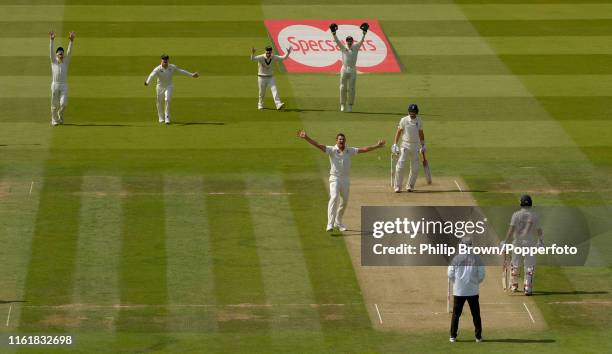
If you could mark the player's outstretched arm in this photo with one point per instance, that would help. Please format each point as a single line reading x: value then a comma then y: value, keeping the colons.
x: 71, y: 37
x: 302, y: 134
x: 378, y: 145
x: 253, y: 57
x: 51, y: 46
x: 286, y: 54
x: 151, y: 76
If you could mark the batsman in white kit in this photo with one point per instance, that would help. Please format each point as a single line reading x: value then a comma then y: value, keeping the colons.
x: 524, y: 231
x: 165, y: 88
x: 59, y: 83
x: 265, y: 75
x: 340, y: 161
x: 348, y: 72
x: 410, y: 129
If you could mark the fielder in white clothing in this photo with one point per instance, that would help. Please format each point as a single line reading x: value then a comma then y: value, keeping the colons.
x: 348, y: 72
x: 410, y: 129
x: 265, y: 75
x: 164, y: 73
x: 340, y: 161
x: 59, y: 83
x: 525, y: 230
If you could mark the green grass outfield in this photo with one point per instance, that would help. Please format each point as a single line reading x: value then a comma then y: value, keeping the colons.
x: 209, y: 232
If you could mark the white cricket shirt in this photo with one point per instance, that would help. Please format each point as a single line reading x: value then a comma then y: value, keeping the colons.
x: 410, y: 127
x: 349, y: 56
x: 525, y: 221
x: 264, y: 65
x: 339, y: 160
x: 59, y: 69
x: 164, y: 76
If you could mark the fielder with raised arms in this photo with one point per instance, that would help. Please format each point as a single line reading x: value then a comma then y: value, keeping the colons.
x: 524, y: 231
x: 265, y: 75
x: 348, y: 72
x: 410, y: 129
x: 340, y: 161
x: 165, y: 88
x: 59, y: 74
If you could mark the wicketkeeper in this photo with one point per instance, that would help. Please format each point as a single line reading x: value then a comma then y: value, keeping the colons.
x: 410, y: 129
x: 348, y: 72
x: 165, y: 88
x: 524, y: 231
x: 265, y: 75
x: 340, y: 161
x: 59, y: 83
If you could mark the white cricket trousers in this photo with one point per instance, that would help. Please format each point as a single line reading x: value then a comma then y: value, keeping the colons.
x: 338, y: 199
x: 412, y: 153
x: 59, y: 100
x: 347, y: 86
x: 264, y: 82
x: 164, y: 99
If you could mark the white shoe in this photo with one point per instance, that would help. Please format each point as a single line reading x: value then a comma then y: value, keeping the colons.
x: 329, y: 228
x: 349, y: 108
x: 167, y: 121
x: 161, y: 121
x: 478, y: 340
x: 260, y: 107
x: 341, y: 108
x: 452, y: 339
x: 341, y: 227
x: 397, y: 189
x: 410, y: 189
x: 54, y: 123
x: 280, y: 106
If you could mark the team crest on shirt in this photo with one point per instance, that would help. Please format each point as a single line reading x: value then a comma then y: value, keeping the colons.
x: 314, y: 50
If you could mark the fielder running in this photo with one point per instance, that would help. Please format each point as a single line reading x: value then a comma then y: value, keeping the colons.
x: 165, y: 88
x: 265, y: 75
x: 340, y: 161
x: 526, y: 231
x: 410, y: 128
x: 348, y: 72
x: 59, y: 83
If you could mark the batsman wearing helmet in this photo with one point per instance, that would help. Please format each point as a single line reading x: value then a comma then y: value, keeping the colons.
x: 524, y: 231
x: 410, y: 129
x: 348, y: 72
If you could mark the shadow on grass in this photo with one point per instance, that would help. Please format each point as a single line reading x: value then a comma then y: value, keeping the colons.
x: 447, y: 191
x: 517, y: 340
x: 11, y: 301
x: 578, y: 292
x: 19, y: 144
x: 96, y: 125
x: 197, y: 123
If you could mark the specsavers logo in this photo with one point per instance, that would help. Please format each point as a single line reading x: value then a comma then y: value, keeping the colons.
x: 313, y: 47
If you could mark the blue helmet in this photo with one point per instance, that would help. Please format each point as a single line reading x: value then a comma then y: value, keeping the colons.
x: 413, y: 108
x: 526, y: 200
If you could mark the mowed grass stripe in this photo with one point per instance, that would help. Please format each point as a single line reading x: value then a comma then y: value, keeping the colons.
x: 143, y: 264
x: 139, y: 29
x: 313, y: 85
x: 96, y: 283
x: 382, y: 12
x: 331, y: 273
x: 236, y: 265
x: 129, y: 46
x: 241, y: 65
x: 285, y: 276
x: 189, y: 255
x: 51, y: 269
x: 512, y: 45
x: 239, y: 46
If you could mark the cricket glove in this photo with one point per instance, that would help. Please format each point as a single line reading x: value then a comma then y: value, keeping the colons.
x: 364, y: 27
x: 333, y: 27
x: 395, y: 149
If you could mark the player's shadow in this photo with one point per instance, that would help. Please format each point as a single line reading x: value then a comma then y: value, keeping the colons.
x: 19, y: 144
x: 11, y: 301
x: 449, y: 191
x: 96, y: 125
x: 347, y: 233
x: 514, y: 340
x: 577, y: 292
x: 198, y: 123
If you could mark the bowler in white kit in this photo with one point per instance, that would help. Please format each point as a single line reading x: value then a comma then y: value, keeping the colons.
x: 410, y: 129
x: 340, y: 161
x: 59, y: 74
x: 265, y: 75
x: 348, y: 72
x: 165, y: 88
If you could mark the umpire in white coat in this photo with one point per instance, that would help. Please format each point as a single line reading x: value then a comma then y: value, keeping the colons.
x: 466, y: 271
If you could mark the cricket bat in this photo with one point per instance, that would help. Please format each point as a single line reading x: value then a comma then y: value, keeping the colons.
x: 505, y: 273
x: 426, y: 169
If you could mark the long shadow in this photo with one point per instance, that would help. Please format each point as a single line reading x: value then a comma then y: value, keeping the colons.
x: 19, y: 144
x: 546, y: 293
x: 97, y: 125
x: 198, y: 123
x: 450, y: 191
x: 353, y: 112
x: 514, y: 340
x: 11, y: 301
